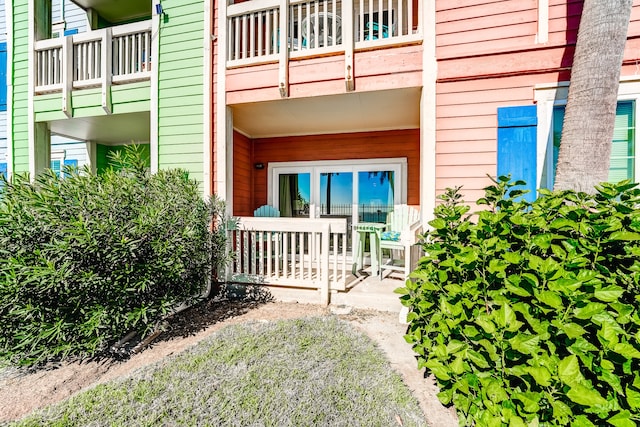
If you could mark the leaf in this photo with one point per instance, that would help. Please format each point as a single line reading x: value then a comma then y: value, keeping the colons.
x: 627, y: 350
x: 505, y: 316
x: 543, y: 240
x: 622, y: 419
x: 609, y: 293
x: 540, y: 374
x: 551, y: 299
x: 624, y: 235
x: 589, y: 310
x: 529, y: 400
x: 477, y: 359
x: 569, y: 370
x: 633, y: 398
x: 525, y: 343
x: 585, y: 396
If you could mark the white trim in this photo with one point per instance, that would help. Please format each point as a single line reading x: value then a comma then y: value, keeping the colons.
x: 396, y: 164
x: 8, y: 5
x: 428, y: 114
x: 224, y: 188
x: 30, y: 89
x: 207, y: 106
x: 549, y: 95
x: 543, y: 22
x: 154, y: 102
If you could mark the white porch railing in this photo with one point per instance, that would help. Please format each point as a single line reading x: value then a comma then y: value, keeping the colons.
x: 115, y: 55
x: 295, y: 252
x: 257, y: 29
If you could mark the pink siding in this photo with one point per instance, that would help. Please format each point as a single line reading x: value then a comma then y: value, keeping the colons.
x: 393, y: 68
x: 488, y: 58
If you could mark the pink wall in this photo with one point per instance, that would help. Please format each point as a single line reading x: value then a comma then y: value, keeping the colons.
x: 392, y: 68
x: 488, y: 58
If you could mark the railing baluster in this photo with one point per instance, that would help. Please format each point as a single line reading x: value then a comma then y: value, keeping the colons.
x: 261, y: 34
x: 409, y: 17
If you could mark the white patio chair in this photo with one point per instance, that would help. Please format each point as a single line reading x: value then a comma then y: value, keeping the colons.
x: 402, y: 235
x: 312, y: 38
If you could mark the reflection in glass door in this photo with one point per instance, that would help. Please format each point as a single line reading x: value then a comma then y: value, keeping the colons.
x: 294, y: 194
x: 376, y: 195
x: 336, y: 194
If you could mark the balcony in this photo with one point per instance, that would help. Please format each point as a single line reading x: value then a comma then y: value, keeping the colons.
x: 99, y: 58
x: 263, y: 31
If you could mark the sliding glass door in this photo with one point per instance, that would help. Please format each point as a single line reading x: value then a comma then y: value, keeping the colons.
x: 359, y: 190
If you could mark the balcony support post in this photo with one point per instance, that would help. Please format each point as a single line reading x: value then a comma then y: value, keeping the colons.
x: 283, y: 47
x: 348, y: 42
x: 67, y: 75
x: 105, y: 70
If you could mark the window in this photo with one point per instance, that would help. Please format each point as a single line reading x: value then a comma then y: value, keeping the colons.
x: 622, y: 161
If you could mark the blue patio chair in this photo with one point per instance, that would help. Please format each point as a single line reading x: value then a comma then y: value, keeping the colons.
x: 266, y: 211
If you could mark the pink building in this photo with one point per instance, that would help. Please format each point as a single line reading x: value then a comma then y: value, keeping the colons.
x: 349, y: 108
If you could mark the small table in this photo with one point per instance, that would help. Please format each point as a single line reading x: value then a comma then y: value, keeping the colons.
x: 374, y: 230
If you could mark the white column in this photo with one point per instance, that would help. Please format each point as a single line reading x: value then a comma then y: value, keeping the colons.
x: 428, y: 112
x: 207, y: 145
x: 154, y: 102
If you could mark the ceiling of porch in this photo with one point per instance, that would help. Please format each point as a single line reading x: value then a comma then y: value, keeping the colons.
x: 113, y: 129
x: 116, y: 11
x: 349, y: 112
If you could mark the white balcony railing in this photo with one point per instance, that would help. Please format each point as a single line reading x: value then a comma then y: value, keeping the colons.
x: 296, y: 252
x: 257, y: 29
x: 117, y: 55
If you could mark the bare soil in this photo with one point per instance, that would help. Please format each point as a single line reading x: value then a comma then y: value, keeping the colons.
x: 23, y: 391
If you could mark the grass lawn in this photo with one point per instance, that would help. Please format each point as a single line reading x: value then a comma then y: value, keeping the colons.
x: 304, y: 372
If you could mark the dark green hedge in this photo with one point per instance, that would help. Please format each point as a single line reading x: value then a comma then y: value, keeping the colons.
x: 87, y: 258
x: 527, y: 313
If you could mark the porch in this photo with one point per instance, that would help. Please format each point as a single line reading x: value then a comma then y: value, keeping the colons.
x: 94, y: 59
x: 288, y: 35
x: 311, y: 261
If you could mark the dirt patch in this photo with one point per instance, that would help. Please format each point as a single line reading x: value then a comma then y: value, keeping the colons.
x: 22, y: 392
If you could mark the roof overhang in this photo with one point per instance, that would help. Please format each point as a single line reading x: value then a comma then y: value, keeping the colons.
x: 349, y: 112
x: 118, y: 11
x: 109, y: 130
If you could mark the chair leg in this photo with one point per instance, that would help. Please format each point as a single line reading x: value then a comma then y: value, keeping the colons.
x: 407, y: 262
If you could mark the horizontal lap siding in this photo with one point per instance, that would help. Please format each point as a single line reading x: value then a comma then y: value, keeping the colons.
x: 181, y: 88
x: 366, y: 145
x: 19, y: 104
x: 488, y: 58
x: 472, y: 27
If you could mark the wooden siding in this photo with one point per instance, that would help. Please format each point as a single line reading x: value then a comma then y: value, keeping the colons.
x: 126, y: 98
x: 399, y: 67
x: 364, y: 145
x: 18, y: 106
x: 180, y: 87
x: 488, y: 58
x: 3, y: 22
x: 242, y: 176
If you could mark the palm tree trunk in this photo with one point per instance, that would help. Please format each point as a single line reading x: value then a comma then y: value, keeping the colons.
x: 587, y: 132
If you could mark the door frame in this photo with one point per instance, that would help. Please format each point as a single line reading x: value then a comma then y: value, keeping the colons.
x: 316, y: 167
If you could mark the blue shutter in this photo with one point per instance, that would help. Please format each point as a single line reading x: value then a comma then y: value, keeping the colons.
x: 517, y: 146
x: 3, y: 77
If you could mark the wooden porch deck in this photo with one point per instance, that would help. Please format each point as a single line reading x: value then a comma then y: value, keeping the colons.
x: 363, y: 292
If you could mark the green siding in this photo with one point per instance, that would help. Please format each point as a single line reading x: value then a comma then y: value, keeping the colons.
x: 181, y: 88
x: 125, y: 98
x: 18, y: 108
x: 103, y: 152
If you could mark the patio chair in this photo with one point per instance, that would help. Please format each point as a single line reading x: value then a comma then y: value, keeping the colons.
x: 311, y: 39
x: 267, y: 211
x: 401, y: 235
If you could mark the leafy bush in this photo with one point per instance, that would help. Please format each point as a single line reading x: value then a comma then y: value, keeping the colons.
x: 85, y: 259
x: 527, y: 313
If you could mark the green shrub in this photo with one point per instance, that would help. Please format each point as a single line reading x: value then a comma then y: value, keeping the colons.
x: 527, y: 313
x: 85, y: 259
